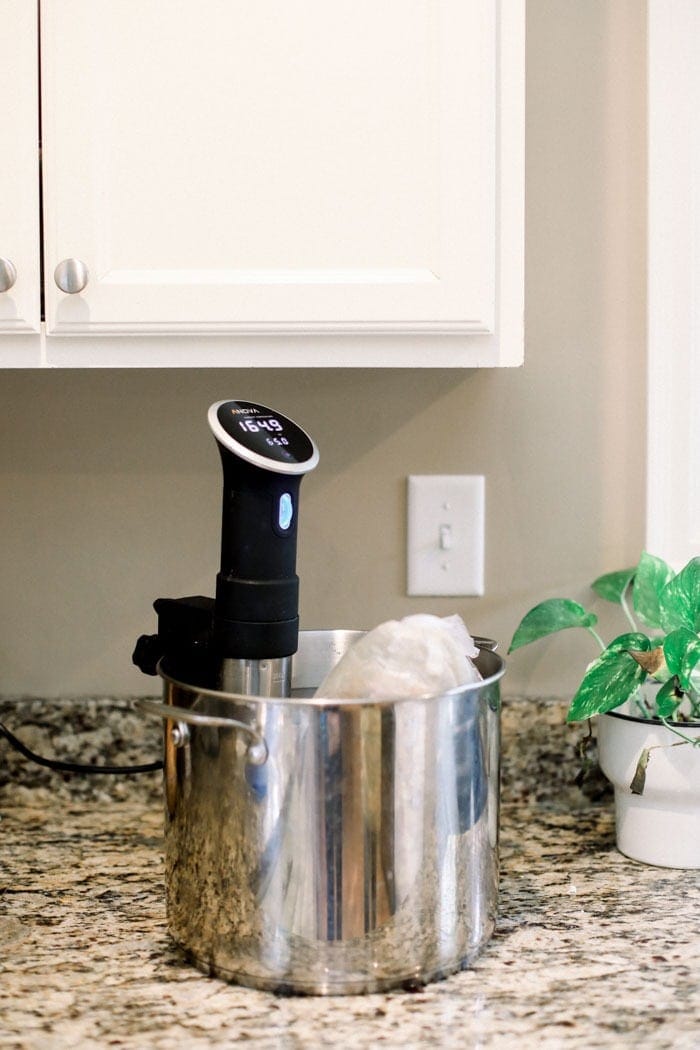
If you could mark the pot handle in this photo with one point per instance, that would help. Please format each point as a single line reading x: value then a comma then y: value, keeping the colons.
x: 257, y: 752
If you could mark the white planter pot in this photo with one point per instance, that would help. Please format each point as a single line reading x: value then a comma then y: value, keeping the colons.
x: 662, y: 825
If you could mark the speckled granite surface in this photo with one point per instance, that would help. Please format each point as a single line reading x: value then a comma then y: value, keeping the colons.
x: 591, y: 949
x: 540, y: 758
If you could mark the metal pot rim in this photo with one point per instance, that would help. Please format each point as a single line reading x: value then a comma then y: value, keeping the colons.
x: 331, y: 702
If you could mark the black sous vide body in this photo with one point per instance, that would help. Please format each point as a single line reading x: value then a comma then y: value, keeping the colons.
x: 242, y: 640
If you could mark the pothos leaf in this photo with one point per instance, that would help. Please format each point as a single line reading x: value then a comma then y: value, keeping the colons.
x: 640, y: 773
x: 682, y: 653
x: 632, y: 640
x: 680, y: 599
x: 668, y: 699
x: 613, y: 585
x: 550, y: 616
x: 650, y: 579
x: 610, y: 680
x: 653, y: 662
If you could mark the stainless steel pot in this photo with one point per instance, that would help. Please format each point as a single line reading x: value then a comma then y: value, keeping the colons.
x: 331, y: 847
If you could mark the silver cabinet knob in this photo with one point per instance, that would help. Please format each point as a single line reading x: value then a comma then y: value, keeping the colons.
x: 71, y: 276
x: 8, y: 275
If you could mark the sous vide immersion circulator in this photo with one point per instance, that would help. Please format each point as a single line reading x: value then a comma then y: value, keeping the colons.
x: 243, y: 640
x: 312, y: 845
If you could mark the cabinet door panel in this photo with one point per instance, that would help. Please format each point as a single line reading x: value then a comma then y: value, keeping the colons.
x: 307, y: 166
x: 19, y: 171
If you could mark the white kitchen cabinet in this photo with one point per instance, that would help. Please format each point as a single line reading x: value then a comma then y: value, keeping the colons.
x: 231, y: 173
x: 20, y: 300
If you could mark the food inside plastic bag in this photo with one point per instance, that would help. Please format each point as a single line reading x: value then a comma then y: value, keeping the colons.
x: 421, y: 655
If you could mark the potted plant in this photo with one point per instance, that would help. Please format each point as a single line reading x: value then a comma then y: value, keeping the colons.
x: 645, y: 686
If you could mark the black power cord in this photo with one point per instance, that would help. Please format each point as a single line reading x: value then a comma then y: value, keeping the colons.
x: 73, y: 767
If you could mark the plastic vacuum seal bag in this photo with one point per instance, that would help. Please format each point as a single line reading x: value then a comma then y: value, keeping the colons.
x: 421, y: 655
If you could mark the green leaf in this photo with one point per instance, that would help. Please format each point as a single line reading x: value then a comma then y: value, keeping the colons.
x: 632, y: 640
x: 680, y: 599
x: 550, y: 616
x: 668, y: 699
x: 613, y: 585
x: 682, y: 653
x: 650, y: 579
x: 611, y: 679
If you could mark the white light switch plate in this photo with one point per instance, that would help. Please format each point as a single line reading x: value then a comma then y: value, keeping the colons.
x: 446, y: 534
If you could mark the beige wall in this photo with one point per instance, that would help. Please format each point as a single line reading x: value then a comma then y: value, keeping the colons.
x: 110, y: 480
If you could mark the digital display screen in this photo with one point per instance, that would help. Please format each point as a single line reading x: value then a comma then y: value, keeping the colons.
x: 264, y: 432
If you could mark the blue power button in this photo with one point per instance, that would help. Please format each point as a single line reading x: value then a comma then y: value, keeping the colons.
x: 285, y: 511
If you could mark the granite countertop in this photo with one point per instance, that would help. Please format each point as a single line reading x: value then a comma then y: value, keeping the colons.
x: 590, y: 949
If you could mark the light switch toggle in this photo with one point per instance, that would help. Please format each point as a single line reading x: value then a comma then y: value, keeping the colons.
x: 445, y: 537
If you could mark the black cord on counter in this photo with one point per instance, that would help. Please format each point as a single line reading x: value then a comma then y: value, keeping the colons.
x: 73, y: 767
